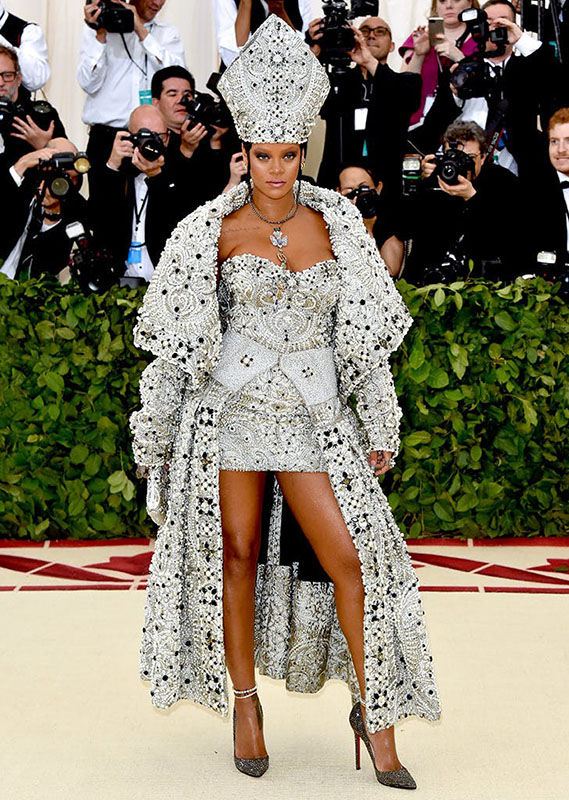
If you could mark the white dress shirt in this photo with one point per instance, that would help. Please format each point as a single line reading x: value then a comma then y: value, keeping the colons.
x: 145, y: 268
x: 225, y: 12
x: 32, y: 54
x: 563, y: 177
x: 111, y: 80
x: 475, y: 109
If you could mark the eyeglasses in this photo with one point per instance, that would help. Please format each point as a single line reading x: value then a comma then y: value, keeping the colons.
x: 8, y: 77
x: 379, y: 31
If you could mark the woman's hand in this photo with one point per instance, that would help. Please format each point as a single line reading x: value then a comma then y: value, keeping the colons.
x: 380, y: 461
x: 421, y: 40
x: 446, y: 48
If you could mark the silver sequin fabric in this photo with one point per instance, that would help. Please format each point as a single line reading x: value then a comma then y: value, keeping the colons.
x: 194, y: 332
x: 266, y: 426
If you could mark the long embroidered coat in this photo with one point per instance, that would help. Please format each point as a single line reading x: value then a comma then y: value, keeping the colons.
x: 297, y: 635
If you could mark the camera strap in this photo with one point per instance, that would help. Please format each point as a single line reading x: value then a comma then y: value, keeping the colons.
x: 139, y: 211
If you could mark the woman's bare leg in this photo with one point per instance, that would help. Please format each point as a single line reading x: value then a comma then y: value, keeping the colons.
x: 241, y: 502
x: 313, y: 503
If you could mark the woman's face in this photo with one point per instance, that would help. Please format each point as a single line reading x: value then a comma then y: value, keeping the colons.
x: 274, y: 168
x: 450, y: 9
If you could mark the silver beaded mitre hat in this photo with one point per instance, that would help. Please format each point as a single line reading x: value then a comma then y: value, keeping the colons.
x: 275, y: 87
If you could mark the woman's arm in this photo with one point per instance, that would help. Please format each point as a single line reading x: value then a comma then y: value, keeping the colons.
x: 378, y: 409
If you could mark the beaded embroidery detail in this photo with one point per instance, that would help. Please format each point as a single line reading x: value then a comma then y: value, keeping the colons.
x: 275, y: 87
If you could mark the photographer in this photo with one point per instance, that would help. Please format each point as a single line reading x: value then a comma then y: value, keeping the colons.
x: 138, y: 199
x: 367, y: 112
x: 452, y: 220
x: 356, y: 182
x: 41, y: 199
x: 26, y: 39
x: 25, y: 125
x: 196, y: 150
x: 236, y: 20
x: 549, y: 202
x: 116, y: 67
x: 523, y: 81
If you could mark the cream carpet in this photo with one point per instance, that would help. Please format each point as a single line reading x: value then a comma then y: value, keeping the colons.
x: 77, y: 723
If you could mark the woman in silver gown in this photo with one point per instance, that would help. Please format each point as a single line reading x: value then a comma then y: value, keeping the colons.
x: 270, y: 308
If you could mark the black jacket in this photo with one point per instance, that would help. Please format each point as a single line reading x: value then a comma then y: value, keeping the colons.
x: 532, y: 85
x: 395, y: 97
x: 15, y: 148
x: 547, y: 217
x: 391, y: 98
x: 485, y: 228
x: 47, y: 251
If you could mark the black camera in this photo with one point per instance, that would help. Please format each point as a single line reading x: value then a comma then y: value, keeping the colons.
x: 367, y: 201
x: 149, y: 143
x: 206, y: 109
x: 55, y: 172
x: 453, y: 267
x: 473, y: 77
x: 114, y: 18
x: 40, y: 111
x: 337, y: 38
x: 452, y: 163
x: 92, y: 267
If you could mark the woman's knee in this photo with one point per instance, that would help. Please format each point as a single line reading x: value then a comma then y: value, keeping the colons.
x: 240, y: 552
x: 346, y: 572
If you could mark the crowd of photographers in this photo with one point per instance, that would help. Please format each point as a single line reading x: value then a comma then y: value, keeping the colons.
x: 459, y: 162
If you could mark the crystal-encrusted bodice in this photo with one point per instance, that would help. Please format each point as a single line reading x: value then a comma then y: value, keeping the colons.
x: 301, y: 319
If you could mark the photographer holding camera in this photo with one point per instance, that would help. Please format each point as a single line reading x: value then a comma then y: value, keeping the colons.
x: 236, y: 20
x: 138, y: 199
x: 549, y: 203
x: 26, y: 39
x: 450, y: 219
x: 25, y: 124
x: 368, y: 110
x: 514, y: 80
x: 41, y: 199
x: 356, y: 181
x: 197, y: 145
x: 122, y: 46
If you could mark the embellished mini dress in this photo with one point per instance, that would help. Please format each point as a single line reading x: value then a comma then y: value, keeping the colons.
x: 276, y: 351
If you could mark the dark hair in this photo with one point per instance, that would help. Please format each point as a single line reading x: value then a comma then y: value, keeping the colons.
x: 465, y: 132
x: 490, y: 3
x: 359, y: 163
x: 7, y: 51
x: 165, y: 74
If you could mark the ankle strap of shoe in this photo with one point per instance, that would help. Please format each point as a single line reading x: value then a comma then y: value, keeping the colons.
x: 244, y: 693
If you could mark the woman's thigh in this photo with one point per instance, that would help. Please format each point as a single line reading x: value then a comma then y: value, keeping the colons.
x: 241, y: 503
x: 312, y: 501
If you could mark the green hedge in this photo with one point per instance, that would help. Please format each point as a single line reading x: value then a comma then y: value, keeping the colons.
x: 482, y: 378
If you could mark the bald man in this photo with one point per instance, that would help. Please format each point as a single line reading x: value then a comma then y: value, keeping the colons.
x: 135, y: 204
x: 33, y: 238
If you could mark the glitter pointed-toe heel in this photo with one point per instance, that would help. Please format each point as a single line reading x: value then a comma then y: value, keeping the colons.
x: 396, y: 778
x: 254, y: 767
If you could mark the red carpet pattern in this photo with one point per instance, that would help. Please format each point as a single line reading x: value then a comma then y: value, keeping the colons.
x: 539, y: 565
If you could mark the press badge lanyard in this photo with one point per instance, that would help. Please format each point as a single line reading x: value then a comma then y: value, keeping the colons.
x: 135, y: 251
x: 145, y: 95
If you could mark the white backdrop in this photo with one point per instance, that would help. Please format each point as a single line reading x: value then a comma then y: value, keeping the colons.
x: 61, y: 21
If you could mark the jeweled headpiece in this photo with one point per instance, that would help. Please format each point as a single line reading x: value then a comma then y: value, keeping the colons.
x: 275, y: 87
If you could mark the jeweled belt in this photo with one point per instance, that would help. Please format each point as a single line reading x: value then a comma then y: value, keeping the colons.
x: 312, y: 371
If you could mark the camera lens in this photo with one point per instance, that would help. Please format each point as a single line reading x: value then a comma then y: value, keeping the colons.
x: 449, y: 173
x: 59, y: 186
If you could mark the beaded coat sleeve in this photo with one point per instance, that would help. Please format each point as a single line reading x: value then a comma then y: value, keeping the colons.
x: 179, y: 323
x: 154, y: 426
x: 379, y: 410
x: 371, y: 322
